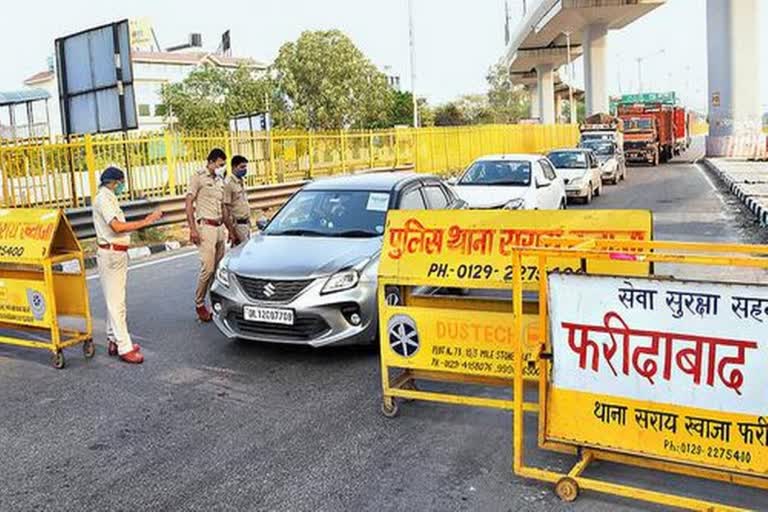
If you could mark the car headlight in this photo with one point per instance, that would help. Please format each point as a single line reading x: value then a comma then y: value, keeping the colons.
x: 515, y: 204
x: 340, y: 281
x: 222, y: 272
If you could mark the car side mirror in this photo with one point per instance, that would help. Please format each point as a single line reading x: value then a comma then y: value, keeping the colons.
x: 459, y: 204
x: 452, y: 180
x: 542, y: 184
x: 262, y: 223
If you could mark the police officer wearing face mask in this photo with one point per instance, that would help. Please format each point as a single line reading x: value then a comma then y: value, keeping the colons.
x: 205, y: 217
x: 113, y: 237
x: 237, y: 212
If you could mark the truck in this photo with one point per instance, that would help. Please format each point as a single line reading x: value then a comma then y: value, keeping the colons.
x: 649, y: 133
x: 682, y: 119
x: 602, y: 127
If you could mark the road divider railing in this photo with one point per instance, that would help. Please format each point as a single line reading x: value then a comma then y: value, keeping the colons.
x: 41, y: 306
x: 64, y: 173
x: 655, y: 372
x: 445, y: 308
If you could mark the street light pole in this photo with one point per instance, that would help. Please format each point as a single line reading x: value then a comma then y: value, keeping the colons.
x: 411, y: 37
x: 572, y: 108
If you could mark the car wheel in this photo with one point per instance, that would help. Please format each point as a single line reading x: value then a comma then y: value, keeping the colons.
x: 588, y: 199
x: 598, y: 190
x: 563, y: 204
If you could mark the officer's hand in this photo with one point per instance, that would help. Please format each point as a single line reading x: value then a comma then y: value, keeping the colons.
x: 194, y: 237
x: 233, y: 240
x: 155, y: 216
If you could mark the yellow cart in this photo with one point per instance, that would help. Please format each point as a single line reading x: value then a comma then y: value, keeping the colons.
x: 43, y: 295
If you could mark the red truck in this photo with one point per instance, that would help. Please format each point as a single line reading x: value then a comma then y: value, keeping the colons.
x: 649, y: 132
x: 682, y: 120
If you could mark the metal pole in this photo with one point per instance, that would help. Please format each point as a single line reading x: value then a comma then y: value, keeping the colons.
x: 570, y: 79
x: 411, y: 36
x: 640, y: 74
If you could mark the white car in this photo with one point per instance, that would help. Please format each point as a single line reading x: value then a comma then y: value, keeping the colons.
x: 611, y: 159
x: 580, y: 171
x: 513, y: 182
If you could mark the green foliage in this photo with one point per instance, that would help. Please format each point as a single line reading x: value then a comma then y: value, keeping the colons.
x: 449, y: 114
x: 210, y: 96
x: 580, y: 111
x: 508, y: 103
x: 401, y: 111
x: 327, y: 83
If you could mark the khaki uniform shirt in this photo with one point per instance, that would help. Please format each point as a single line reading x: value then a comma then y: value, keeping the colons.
x: 208, y: 192
x: 106, y: 208
x: 236, y: 198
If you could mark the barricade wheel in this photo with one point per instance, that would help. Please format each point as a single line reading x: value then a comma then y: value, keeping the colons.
x: 567, y: 489
x: 389, y: 408
x: 89, y: 349
x: 58, y: 360
x: 411, y: 386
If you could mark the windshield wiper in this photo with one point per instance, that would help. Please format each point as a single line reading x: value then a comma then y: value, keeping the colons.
x: 297, y: 232
x: 507, y: 182
x: 356, y: 233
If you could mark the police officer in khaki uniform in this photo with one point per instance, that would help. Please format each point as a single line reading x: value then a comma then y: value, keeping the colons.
x: 237, y: 212
x: 113, y: 237
x: 206, y: 229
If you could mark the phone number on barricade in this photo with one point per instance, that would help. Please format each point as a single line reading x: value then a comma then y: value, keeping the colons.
x: 485, y: 272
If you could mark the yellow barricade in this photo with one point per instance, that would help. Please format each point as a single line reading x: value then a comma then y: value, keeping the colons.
x: 445, y: 311
x: 43, y: 296
x: 666, y: 374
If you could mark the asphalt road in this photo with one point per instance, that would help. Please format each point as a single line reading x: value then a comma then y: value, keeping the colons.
x: 207, y: 424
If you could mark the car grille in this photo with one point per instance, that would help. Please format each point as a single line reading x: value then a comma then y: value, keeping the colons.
x: 635, y: 145
x: 304, y: 328
x: 272, y: 290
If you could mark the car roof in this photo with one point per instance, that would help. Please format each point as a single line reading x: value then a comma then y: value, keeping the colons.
x: 572, y: 150
x: 376, y: 181
x: 526, y: 157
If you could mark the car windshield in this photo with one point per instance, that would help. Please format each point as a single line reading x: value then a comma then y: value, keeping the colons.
x: 600, y: 147
x: 498, y: 172
x: 568, y: 159
x: 639, y: 124
x: 329, y: 213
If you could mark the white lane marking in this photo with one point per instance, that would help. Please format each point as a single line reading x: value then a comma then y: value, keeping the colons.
x: 700, y: 167
x: 150, y: 263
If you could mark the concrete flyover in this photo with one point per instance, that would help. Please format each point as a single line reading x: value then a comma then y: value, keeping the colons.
x: 540, y: 44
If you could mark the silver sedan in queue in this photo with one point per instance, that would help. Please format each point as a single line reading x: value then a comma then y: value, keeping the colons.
x: 310, y: 276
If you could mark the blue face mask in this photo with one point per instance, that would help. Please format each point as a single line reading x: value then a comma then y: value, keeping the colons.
x: 120, y: 188
x: 240, y: 173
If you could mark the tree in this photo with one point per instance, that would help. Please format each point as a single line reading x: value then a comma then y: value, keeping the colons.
x: 401, y: 110
x: 210, y: 96
x: 327, y: 83
x: 449, y: 114
x: 580, y: 111
x: 476, y: 109
x: 508, y: 103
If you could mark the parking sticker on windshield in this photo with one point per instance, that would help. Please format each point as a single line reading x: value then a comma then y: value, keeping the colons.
x: 377, y: 202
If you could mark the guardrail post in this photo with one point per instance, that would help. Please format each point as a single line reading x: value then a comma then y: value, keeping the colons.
x: 170, y: 159
x: 90, y: 162
x: 370, y: 149
x: 311, y: 150
x: 396, y: 144
x: 271, y: 159
x: 343, y: 152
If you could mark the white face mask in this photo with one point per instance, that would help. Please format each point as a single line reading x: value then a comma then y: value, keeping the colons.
x: 220, y: 171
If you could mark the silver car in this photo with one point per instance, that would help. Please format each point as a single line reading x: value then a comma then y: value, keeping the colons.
x: 310, y: 276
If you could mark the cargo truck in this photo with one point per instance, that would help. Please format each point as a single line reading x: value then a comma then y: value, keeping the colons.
x: 649, y: 134
x: 682, y: 120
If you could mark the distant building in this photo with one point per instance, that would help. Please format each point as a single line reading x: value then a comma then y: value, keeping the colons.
x: 152, y: 70
x: 392, y: 79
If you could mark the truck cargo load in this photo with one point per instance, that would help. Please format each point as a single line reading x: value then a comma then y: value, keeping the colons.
x: 649, y: 132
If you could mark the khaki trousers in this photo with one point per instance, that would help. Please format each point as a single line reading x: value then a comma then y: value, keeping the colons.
x: 113, y: 273
x: 211, y: 248
x: 243, y: 231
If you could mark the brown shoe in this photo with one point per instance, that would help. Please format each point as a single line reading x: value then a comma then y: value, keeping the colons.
x: 203, y: 313
x: 112, y: 348
x: 133, y: 357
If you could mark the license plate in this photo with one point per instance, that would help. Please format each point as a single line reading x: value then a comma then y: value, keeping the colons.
x: 268, y: 315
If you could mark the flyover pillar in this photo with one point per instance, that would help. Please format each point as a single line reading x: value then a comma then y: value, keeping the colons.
x: 534, y: 92
x: 594, y: 46
x: 546, y: 91
x: 735, y: 120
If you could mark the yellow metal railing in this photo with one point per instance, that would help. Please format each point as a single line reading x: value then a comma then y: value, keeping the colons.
x: 65, y: 173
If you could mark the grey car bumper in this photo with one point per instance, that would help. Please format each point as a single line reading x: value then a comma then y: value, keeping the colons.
x: 320, y: 319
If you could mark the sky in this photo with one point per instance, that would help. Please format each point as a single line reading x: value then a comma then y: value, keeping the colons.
x: 456, y: 40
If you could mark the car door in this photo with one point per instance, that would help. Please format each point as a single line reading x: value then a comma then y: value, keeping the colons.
x: 411, y: 198
x: 549, y: 196
x: 595, y: 172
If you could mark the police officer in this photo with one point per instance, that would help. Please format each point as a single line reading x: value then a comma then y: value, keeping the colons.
x: 237, y: 212
x: 113, y: 237
x: 205, y: 217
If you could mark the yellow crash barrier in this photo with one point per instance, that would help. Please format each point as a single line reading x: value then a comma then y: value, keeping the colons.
x: 445, y: 310
x: 660, y: 373
x: 43, y: 296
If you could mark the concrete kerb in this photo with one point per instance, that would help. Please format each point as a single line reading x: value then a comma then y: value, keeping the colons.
x: 758, y: 205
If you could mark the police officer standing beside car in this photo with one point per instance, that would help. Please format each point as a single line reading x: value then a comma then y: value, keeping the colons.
x: 237, y: 212
x: 114, y: 239
x: 205, y: 217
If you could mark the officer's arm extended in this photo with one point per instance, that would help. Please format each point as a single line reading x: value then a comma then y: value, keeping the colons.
x: 189, y: 206
x: 124, y: 227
